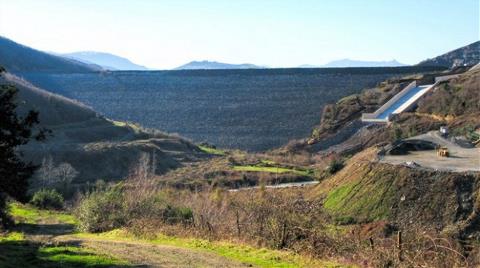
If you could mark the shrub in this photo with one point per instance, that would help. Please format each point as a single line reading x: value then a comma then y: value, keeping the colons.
x: 101, y: 211
x: 47, y: 199
x: 334, y: 166
x: 346, y: 220
x: 173, y: 215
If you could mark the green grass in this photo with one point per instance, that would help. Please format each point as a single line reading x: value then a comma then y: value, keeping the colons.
x: 273, y: 170
x: 133, y: 126
x: 31, y: 215
x: 68, y: 256
x: 260, y: 257
x: 367, y: 199
x: 12, y: 236
x: 210, y: 150
x: 268, y: 162
x: 16, y: 251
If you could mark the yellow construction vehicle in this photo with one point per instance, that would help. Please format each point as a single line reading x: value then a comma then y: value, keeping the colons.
x: 443, y: 152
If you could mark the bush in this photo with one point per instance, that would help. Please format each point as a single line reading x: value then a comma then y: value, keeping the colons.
x: 47, y: 199
x: 347, y: 220
x: 334, y: 166
x: 101, y: 211
x: 173, y: 215
x: 104, y: 210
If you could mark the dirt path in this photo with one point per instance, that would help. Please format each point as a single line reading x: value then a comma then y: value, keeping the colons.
x: 139, y: 254
x: 150, y: 255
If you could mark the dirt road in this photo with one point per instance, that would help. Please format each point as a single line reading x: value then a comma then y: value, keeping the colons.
x: 460, y: 160
x: 150, y: 255
x: 139, y: 254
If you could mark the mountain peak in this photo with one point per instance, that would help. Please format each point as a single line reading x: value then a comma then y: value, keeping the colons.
x: 212, y: 65
x: 359, y: 63
x: 106, y: 60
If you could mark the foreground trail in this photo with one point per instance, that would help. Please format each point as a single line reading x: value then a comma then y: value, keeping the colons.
x: 141, y: 254
x: 48, y: 239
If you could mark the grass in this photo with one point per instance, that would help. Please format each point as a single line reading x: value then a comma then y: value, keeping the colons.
x: 69, y: 256
x: 272, y: 170
x: 366, y: 199
x: 17, y: 251
x: 210, y: 150
x: 28, y: 214
x: 268, y: 162
x: 260, y: 257
x: 133, y: 126
x: 12, y: 236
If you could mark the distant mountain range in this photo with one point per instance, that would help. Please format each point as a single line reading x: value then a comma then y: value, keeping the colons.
x: 344, y: 63
x: 209, y: 65
x: 19, y: 58
x: 467, y: 55
x: 105, y: 60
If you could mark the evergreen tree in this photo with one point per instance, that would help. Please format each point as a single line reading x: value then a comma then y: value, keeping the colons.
x: 15, y: 131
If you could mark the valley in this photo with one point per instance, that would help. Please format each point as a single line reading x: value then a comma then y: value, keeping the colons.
x: 239, y: 167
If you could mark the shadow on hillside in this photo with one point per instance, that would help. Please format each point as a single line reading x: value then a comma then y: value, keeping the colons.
x: 33, y: 254
x: 45, y: 229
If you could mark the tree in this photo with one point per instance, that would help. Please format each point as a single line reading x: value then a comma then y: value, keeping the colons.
x: 14, y: 131
x: 65, y: 173
x: 47, y: 172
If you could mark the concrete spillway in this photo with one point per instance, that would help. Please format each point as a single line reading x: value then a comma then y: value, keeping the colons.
x: 404, y: 102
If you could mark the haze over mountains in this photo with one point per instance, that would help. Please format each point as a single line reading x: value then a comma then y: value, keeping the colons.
x: 19, y: 58
x: 105, y: 60
x: 344, y: 63
x: 359, y: 63
x: 212, y: 65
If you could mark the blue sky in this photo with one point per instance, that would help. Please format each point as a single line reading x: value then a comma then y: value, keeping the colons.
x: 279, y: 33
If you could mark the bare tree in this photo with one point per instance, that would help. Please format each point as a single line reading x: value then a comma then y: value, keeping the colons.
x: 65, y: 174
x: 47, y: 172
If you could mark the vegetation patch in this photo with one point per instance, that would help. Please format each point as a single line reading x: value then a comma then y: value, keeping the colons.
x: 210, y: 150
x: 361, y: 194
x: 28, y: 214
x: 255, y: 168
x: 69, y: 256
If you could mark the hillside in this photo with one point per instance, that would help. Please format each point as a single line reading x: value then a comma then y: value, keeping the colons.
x: 432, y: 194
x: 105, y: 60
x: 468, y: 55
x: 209, y: 65
x: 365, y: 190
x: 96, y: 147
x: 19, y: 58
x: 453, y: 103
